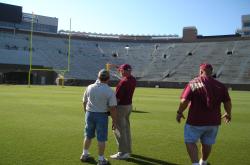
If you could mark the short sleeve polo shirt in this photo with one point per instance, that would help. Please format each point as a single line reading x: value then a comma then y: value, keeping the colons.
x: 99, y: 96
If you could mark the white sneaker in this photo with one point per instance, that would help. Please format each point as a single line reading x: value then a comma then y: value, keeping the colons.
x: 201, y: 162
x: 120, y: 155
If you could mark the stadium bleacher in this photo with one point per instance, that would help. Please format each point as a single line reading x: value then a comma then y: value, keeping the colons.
x: 166, y: 62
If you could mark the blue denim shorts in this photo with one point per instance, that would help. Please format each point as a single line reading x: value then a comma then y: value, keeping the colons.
x: 96, y: 122
x: 206, y: 134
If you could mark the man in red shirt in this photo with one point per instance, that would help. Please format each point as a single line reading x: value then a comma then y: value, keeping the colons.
x: 204, y: 96
x: 124, y: 94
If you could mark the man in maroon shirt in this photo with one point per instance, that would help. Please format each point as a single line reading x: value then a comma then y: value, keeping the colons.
x: 124, y: 94
x: 204, y: 96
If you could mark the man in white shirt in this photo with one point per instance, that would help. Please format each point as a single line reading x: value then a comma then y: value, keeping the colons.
x: 98, y: 100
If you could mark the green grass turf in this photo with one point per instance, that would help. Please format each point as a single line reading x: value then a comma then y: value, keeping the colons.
x: 43, y: 125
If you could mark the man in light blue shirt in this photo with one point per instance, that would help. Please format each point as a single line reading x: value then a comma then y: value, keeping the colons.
x: 98, y: 100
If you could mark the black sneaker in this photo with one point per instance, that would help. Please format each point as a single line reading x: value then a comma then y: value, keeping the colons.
x: 102, y: 162
x: 84, y: 157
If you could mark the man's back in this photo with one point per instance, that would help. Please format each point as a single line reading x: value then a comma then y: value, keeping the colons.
x: 206, y: 95
x: 99, y: 96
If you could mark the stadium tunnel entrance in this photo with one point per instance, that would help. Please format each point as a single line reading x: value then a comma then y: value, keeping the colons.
x: 18, y: 74
x: 15, y: 78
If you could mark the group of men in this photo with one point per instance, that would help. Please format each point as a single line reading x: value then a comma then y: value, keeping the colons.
x: 98, y: 101
x: 203, y: 95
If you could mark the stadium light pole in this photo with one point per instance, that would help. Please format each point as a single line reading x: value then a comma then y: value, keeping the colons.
x: 31, y: 35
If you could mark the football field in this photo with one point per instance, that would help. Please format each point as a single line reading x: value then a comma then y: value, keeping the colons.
x: 43, y: 125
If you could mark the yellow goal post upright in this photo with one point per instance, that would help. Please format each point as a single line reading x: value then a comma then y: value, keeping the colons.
x: 113, y: 70
x: 111, y: 67
x: 62, y: 71
x: 108, y: 66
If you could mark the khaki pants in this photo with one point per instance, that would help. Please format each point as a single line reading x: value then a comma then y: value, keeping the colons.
x: 123, y: 124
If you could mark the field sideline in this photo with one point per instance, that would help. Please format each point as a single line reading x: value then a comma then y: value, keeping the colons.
x: 43, y: 125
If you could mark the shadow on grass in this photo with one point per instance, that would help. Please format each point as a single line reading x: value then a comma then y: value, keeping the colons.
x: 92, y: 160
x: 142, y: 160
x: 137, y: 111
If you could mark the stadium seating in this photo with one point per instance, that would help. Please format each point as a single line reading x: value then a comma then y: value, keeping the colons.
x: 173, y: 62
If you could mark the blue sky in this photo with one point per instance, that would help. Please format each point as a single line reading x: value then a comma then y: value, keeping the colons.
x: 142, y: 17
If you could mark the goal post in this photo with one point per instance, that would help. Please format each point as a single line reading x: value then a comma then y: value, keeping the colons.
x: 62, y: 71
x: 113, y: 70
